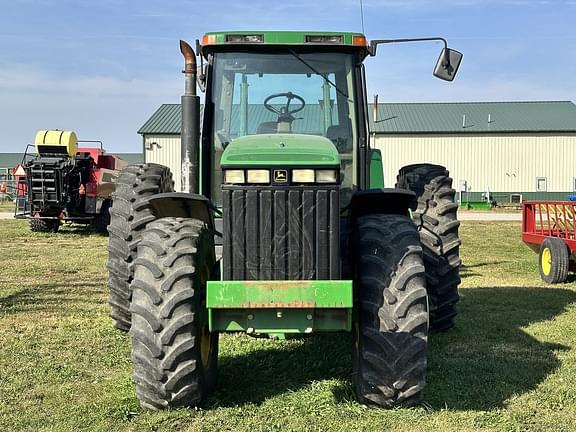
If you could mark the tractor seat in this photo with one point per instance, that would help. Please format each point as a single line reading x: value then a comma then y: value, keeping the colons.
x: 341, y: 136
x: 267, y: 127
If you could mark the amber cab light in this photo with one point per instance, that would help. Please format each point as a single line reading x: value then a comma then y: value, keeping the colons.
x: 208, y: 39
x: 359, y: 41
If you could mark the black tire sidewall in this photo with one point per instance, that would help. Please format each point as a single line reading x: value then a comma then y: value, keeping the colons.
x: 560, y: 260
x: 435, y: 215
x: 389, y: 274
x: 124, y: 232
x: 191, y: 243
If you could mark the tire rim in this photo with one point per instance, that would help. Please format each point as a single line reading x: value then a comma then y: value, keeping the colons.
x: 546, y: 261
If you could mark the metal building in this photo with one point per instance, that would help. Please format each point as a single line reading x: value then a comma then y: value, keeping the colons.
x: 161, y: 139
x: 511, y: 150
x: 505, y: 148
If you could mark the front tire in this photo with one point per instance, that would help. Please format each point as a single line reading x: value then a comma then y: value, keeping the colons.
x: 128, y: 217
x: 437, y: 222
x: 391, y: 326
x: 554, y: 260
x: 173, y: 353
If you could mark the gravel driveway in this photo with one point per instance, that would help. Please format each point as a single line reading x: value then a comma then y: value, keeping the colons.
x: 485, y: 216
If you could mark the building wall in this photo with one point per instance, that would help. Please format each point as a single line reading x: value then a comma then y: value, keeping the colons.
x: 164, y: 150
x: 499, y: 163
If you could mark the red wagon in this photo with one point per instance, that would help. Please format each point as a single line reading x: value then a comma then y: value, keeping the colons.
x: 548, y: 228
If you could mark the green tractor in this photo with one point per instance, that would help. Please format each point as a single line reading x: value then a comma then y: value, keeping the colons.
x: 283, y: 226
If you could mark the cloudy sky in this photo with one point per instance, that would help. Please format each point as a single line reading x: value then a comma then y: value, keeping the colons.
x: 102, y: 67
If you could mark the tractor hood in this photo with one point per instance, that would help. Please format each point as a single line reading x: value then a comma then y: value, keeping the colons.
x: 280, y: 150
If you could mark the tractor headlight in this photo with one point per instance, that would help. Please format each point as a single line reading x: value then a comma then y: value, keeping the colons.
x: 258, y: 176
x: 303, y: 176
x: 326, y: 176
x: 234, y: 176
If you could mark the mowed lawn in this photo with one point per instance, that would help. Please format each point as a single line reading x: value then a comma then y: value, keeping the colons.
x: 7, y: 206
x: 510, y: 364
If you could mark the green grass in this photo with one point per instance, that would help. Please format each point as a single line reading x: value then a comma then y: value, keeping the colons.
x: 510, y: 363
x: 7, y: 206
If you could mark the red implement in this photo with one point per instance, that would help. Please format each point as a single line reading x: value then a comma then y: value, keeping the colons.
x: 541, y: 219
x: 548, y: 227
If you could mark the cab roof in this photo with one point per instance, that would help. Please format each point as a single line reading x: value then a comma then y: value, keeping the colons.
x: 255, y: 38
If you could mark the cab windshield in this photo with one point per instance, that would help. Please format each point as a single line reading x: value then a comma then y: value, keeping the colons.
x: 287, y: 92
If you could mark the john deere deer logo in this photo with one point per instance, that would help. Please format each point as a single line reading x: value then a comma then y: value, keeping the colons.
x: 280, y: 176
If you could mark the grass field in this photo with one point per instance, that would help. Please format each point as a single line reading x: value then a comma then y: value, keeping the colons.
x: 7, y: 206
x: 510, y: 364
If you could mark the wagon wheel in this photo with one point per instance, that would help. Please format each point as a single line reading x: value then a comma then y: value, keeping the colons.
x: 554, y: 260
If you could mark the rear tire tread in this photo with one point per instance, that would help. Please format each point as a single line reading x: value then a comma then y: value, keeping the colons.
x: 437, y: 222
x: 392, y: 317
x: 168, y: 369
x: 127, y: 221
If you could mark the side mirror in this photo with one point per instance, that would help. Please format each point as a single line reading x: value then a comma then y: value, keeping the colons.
x: 448, y: 64
x: 201, y: 78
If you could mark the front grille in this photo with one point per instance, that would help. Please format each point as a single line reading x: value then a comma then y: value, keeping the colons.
x: 281, y: 234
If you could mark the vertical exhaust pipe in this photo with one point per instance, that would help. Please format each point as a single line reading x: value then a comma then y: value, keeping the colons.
x: 190, y: 132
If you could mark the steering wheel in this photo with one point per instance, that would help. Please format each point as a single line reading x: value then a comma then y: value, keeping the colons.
x: 284, y: 113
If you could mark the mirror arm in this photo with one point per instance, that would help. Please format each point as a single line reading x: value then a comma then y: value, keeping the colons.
x: 374, y: 43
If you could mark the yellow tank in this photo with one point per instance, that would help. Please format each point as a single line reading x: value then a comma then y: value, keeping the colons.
x: 56, y: 141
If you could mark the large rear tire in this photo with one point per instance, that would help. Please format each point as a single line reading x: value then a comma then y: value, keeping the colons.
x: 173, y: 353
x: 437, y: 222
x: 128, y: 217
x: 391, y: 325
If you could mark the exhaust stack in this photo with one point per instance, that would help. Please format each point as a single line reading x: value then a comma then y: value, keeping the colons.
x: 190, y: 133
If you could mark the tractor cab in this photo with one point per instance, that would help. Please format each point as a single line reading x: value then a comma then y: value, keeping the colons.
x: 283, y: 122
x: 292, y: 101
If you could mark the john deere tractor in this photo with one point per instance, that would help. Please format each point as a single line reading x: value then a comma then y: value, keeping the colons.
x: 283, y: 226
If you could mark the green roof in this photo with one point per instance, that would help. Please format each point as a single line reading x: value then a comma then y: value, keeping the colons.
x: 475, y: 117
x: 10, y: 160
x: 416, y: 118
x: 166, y: 120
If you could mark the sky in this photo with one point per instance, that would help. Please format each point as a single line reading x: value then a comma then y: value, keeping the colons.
x: 102, y: 67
